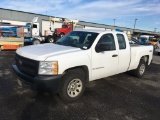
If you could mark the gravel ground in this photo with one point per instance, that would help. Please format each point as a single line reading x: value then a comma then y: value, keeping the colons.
x: 120, y: 97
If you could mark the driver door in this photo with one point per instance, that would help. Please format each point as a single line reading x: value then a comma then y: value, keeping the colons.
x: 105, y: 63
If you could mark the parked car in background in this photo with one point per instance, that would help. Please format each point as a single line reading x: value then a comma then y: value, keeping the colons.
x: 157, y: 48
x: 148, y: 39
x: 144, y: 39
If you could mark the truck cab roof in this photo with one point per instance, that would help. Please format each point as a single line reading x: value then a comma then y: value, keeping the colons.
x: 98, y: 31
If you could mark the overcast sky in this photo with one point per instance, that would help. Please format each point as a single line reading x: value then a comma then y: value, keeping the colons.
x: 147, y: 12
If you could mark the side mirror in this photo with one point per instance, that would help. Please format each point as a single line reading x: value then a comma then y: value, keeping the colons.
x: 102, y: 47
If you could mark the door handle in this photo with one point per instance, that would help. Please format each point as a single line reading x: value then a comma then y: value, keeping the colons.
x: 114, y: 55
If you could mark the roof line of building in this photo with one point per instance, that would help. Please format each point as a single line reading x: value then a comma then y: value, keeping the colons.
x: 26, y: 12
x: 115, y: 26
x: 104, y: 24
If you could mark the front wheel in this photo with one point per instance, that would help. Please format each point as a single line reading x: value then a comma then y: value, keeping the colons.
x: 139, y: 72
x: 72, y: 86
x: 61, y: 35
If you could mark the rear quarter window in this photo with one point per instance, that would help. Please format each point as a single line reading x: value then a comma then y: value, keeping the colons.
x: 121, y: 41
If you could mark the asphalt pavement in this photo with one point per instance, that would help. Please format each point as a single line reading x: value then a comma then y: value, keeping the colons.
x: 120, y: 97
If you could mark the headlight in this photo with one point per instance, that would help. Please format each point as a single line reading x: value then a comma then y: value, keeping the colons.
x: 48, y: 68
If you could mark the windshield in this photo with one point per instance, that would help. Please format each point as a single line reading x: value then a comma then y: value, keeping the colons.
x: 78, y: 39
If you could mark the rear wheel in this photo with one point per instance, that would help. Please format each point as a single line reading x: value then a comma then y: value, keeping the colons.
x: 73, y: 85
x: 158, y: 53
x: 50, y: 39
x: 139, y: 72
x: 36, y: 42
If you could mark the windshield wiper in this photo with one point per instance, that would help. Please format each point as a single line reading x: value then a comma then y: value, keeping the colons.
x: 71, y: 44
x: 59, y: 43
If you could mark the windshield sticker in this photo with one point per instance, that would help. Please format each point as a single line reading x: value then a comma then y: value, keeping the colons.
x: 84, y: 47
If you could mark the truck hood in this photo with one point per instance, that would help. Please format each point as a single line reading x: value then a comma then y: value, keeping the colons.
x: 43, y: 51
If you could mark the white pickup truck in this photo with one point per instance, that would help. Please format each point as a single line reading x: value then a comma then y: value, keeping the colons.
x: 66, y: 66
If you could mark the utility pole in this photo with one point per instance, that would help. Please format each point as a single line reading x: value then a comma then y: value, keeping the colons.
x: 114, y: 22
x: 155, y: 29
x: 134, y: 25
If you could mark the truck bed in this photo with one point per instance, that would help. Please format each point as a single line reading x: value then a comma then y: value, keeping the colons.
x: 137, y: 45
x: 133, y: 45
x: 136, y: 54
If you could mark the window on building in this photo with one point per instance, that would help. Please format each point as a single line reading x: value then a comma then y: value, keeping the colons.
x: 34, y: 26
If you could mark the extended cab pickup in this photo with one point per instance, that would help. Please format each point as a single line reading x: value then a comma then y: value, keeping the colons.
x: 66, y: 66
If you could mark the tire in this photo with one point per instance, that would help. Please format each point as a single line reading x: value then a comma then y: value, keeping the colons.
x: 139, y: 72
x: 72, y: 85
x: 50, y: 39
x: 158, y: 53
x: 57, y: 38
x: 36, y: 42
x: 61, y: 35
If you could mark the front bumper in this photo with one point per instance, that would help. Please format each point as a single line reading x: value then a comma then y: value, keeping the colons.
x: 46, y: 83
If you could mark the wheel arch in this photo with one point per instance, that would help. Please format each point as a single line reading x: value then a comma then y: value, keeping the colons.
x: 83, y: 67
x: 62, y: 33
x: 145, y: 58
x: 48, y: 37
